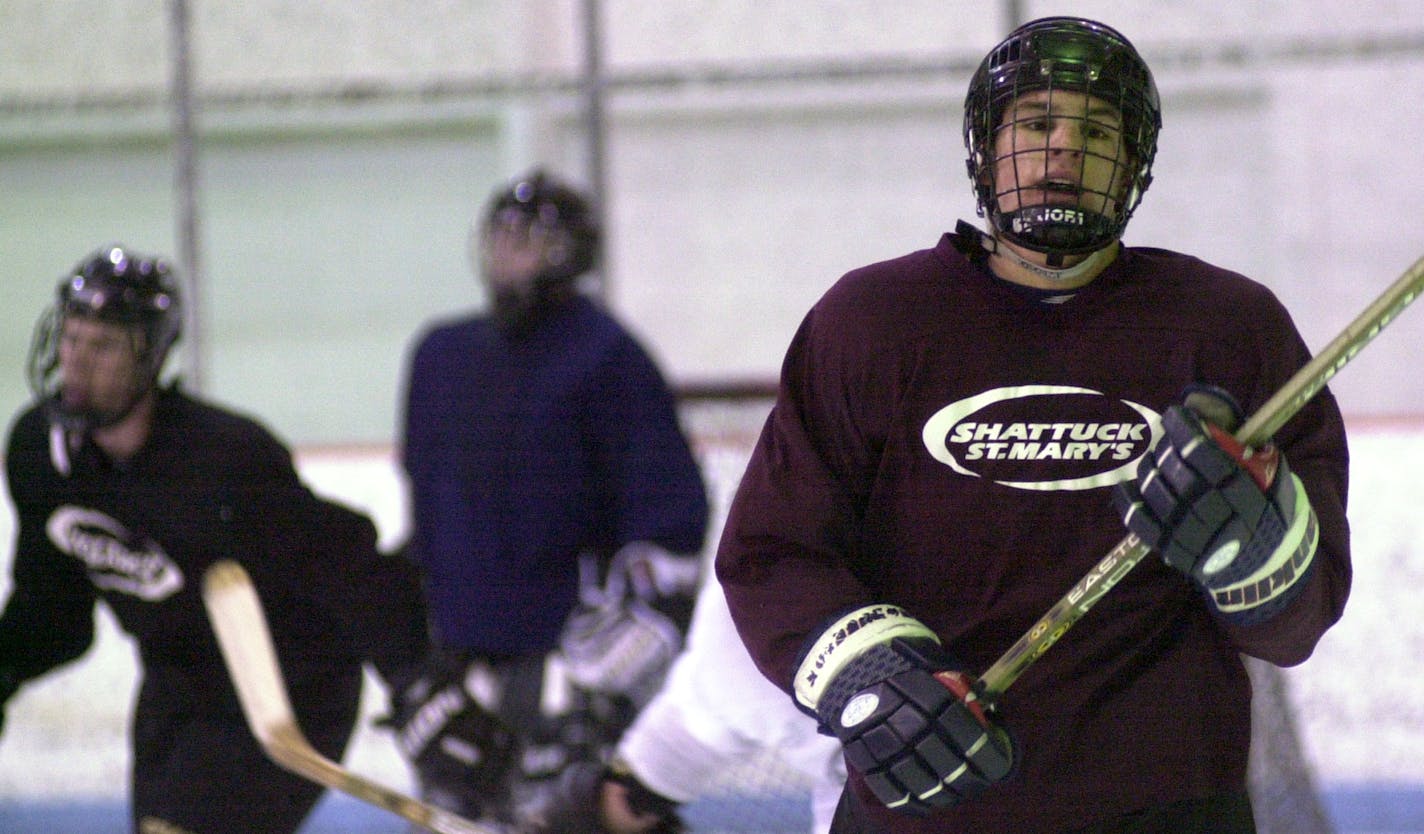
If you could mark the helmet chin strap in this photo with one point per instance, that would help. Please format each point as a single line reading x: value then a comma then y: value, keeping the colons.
x: 69, y: 428
x: 992, y: 245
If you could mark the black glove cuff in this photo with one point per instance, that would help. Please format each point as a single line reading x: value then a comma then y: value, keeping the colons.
x: 855, y: 648
x: 643, y: 799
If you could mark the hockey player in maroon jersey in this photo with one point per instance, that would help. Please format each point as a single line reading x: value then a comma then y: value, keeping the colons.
x: 125, y: 491
x: 963, y: 432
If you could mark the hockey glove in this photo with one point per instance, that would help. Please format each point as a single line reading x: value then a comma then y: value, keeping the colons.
x: 627, y: 629
x: 1236, y: 521
x: 664, y: 581
x: 461, y: 753
x: 909, y: 719
x: 626, y: 803
x: 594, y: 799
x: 620, y: 648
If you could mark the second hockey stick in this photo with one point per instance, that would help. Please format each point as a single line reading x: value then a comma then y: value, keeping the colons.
x: 241, y: 628
x: 1297, y: 391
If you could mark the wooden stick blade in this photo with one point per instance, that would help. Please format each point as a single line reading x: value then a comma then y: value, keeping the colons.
x: 241, y: 628
x: 236, y: 614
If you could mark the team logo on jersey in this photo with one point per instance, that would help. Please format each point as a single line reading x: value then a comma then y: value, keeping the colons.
x: 116, y: 559
x: 1043, y: 437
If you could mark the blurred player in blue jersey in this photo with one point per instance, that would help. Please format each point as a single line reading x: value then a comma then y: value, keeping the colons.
x: 548, y: 475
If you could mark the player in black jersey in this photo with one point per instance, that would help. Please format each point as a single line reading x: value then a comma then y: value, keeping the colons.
x: 125, y: 491
x: 962, y: 433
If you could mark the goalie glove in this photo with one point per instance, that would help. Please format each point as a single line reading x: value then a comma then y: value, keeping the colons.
x: 462, y: 754
x: 627, y: 629
x: 619, y: 648
x: 910, y: 721
x: 1236, y: 521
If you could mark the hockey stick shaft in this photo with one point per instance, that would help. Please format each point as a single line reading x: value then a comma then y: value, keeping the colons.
x: 246, y: 643
x: 1283, y: 405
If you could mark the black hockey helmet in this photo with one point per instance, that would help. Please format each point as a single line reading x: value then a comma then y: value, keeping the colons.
x: 555, y: 209
x: 116, y: 285
x: 1077, y: 56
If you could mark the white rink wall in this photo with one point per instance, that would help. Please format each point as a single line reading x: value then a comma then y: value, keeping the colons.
x: 1359, y: 698
x: 1358, y: 701
x: 339, y: 167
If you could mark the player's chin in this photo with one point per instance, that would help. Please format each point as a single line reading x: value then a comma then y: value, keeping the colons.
x: 77, y: 399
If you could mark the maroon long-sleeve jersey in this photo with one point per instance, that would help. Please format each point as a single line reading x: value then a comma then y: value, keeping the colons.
x: 945, y: 441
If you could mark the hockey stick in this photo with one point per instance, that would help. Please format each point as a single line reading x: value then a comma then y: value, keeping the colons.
x: 246, y: 643
x: 1298, y: 390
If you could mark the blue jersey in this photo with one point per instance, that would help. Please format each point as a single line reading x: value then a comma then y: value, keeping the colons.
x: 523, y: 452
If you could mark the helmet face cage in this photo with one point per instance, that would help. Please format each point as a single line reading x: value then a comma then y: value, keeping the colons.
x: 547, y: 210
x: 113, y: 285
x: 1066, y: 58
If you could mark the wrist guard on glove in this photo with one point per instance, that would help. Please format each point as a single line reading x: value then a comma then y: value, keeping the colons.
x: 909, y: 719
x: 461, y: 753
x: 1236, y: 521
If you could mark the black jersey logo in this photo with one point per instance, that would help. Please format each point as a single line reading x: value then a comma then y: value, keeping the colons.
x: 1043, y: 437
x: 117, y: 560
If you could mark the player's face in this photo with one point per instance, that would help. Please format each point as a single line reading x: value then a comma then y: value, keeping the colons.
x: 1058, y: 148
x: 517, y: 248
x: 99, y: 365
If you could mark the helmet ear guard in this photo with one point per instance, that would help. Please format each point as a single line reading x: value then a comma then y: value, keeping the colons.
x: 1060, y: 55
